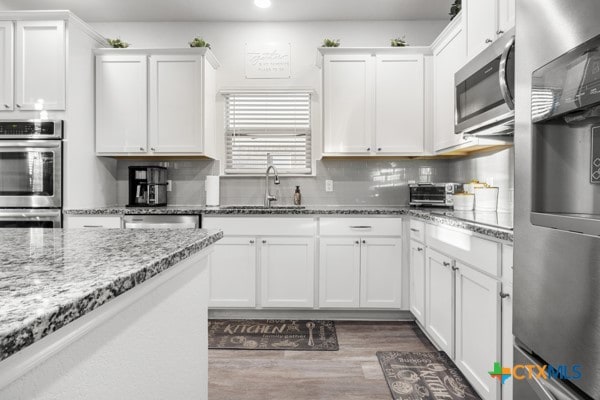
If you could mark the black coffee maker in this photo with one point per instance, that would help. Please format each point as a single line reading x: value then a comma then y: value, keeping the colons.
x: 147, y: 186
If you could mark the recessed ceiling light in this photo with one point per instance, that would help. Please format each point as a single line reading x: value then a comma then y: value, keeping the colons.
x: 262, y: 3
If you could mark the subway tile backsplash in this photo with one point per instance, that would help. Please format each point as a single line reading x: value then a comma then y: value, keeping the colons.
x: 355, y: 181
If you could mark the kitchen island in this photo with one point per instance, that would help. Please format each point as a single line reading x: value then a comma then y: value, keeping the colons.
x: 101, y: 313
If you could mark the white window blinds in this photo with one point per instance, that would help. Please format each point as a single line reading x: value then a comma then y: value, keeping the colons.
x: 261, y: 123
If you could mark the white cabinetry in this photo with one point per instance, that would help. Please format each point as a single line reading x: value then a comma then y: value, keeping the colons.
x: 374, y: 101
x: 264, y: 262
x: 6, y: 65
x: 449, y: 55
x: 339, y: 272
x: 439, y: 300
x: 417, y: 281
x: 487, y: 20
x: 233, y: 277
x: 287, y: 272
x: 360, y: 263
x: 38, y: 54
x: 121, y: 111
x: 155, y: 102
x: 478, y: 333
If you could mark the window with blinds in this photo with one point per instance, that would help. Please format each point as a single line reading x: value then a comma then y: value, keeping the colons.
x: 276, y: 123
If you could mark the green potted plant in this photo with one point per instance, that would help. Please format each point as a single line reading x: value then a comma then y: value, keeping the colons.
x: 199, y: 42
x: 331, y: 43
x: 455, y: 8
x: 399, y: 42
x: 117, y: 43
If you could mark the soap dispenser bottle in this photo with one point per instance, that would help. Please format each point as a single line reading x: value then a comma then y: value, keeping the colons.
x: 297, y: 196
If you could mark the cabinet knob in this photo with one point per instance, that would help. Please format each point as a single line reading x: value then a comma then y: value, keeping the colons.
x: 368, y: 149
x: 357, y: 242
x: 446, y: 264
x: 504, y: 295
x: 6, y: 106
x: 364, y: 241
x: 488, y: 40
x: 18, y: 105
x: 264, y: 241
x: 414, y: 230
x: 379, y: 149
x: 141, y: 149
x: 455, y: 268
x: 252, y: 242
x: 419, y: 249
x: 152, y: 148
x: 500, y: 32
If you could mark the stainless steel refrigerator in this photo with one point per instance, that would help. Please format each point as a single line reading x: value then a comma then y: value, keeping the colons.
x: 557, y: 198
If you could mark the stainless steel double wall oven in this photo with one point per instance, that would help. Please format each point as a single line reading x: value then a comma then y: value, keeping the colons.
x: 30, y: 173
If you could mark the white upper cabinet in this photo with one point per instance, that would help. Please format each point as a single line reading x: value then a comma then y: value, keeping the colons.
x: 399, y: 103
x: 487, y: 20
x: 348, y: 99
x: 40, y: 65
x: 155, y: 102
x: 374, y: 101
x: 449, y: 55
x: 121, y: 111
x: 175, y: 120
x: 506, y: 15
x: 6, y: 66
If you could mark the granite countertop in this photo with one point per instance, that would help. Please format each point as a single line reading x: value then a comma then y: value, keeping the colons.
x: 498, y: 225
x: 50, y: 277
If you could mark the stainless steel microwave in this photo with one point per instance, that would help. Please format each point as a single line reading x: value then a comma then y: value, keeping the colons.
x: 485, y: 91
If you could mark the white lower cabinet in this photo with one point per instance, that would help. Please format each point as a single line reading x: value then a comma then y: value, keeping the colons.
x: 233, y: 273
x: 417, y: 281
x: 287, y: 267
x: 339, y: 273
x: 478, y: 333
x: 380, y: 272
x: 439, y: 300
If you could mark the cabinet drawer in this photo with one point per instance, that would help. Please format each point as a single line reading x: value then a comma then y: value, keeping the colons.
x: 360, y: 226
x: 261, y: 226
x: 106, y: 222
x: 417, y: 230
x: 462, y: 245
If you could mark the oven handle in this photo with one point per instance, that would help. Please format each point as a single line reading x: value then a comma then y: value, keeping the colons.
x: 33, y: 144
x: 503, y: 84
x: 29, y: 215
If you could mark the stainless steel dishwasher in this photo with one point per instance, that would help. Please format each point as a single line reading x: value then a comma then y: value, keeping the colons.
x: 161, y: 221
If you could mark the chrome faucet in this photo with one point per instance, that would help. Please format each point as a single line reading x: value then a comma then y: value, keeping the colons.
x: 268, y: 196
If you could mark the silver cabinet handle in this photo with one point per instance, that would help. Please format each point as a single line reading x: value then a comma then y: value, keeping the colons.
x: 500, y: 32
x: 92, y: 226
x: 360, y: 227
x: 264, y: 241
x: 446, y: 264
x: 455, y: 268
x: 6, y: 106
x: 252, y: 242
x: 504, y: 295
x: 419, y: 249
x: 414, y: 230
x: 488, y: 40
x: 18, y: 105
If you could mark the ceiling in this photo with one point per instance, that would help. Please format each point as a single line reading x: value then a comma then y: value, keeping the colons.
x: 240, y: 10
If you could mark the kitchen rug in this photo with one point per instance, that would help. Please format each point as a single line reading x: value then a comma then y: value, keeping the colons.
x: 424, y: 376
x: 242, y: 334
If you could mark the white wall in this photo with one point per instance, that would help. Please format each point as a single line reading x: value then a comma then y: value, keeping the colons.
x: 228, y: 41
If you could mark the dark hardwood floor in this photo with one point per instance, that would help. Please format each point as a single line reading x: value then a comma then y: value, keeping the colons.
x: 351, y: 373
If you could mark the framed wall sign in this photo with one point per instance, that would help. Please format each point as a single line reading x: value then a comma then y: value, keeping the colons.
x: 268, y: 61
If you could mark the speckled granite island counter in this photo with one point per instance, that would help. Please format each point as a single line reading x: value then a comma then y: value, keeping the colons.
x: 85, y: 312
